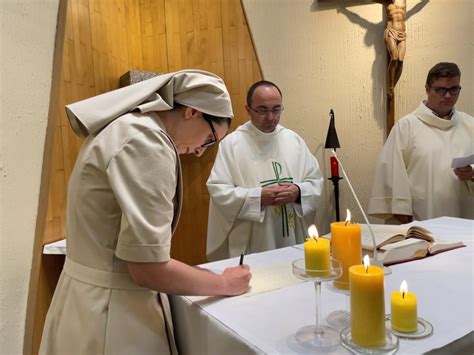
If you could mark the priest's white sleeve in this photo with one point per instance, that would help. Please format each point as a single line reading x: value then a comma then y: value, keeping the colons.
x: 311, y: 186
x: 252, y: 208
x: 391, y: 187
x: 233, y: 201
x: 228, y: 202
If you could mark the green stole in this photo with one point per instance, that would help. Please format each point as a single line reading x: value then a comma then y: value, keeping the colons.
x: 277, y: 169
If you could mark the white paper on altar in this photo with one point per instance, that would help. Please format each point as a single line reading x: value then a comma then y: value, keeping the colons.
x: 265, y: 278
x: 271, y: 278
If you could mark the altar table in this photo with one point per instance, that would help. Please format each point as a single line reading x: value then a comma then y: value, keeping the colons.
x: 266, y: 322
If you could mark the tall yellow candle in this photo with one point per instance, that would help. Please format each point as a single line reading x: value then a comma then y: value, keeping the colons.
x: 367, y: 305
x: 346, y: 247
x: 316, y: 253
x: 403, y: 309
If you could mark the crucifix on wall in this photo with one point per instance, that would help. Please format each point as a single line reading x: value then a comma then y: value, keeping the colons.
x: 394, y: 38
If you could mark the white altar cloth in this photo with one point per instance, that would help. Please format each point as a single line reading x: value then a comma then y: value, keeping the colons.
x: 56, y: 248
x: 266, y: 322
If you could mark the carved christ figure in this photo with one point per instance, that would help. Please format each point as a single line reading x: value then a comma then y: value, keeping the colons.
x: 395, y: 39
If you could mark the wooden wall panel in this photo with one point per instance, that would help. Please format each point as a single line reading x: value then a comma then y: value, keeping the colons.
x: 133, y: 34
x: 105, y: 39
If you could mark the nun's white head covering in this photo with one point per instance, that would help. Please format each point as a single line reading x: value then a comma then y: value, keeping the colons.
x: 204, y: 91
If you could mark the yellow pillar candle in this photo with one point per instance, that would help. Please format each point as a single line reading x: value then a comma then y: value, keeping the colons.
x: 316, y: 253
x: 367, y: 305
x: 403, y: 309
x: 346, y: 247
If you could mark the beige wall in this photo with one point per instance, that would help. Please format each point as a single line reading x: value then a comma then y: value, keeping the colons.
x: 334, y: 56
x: 27, y: 44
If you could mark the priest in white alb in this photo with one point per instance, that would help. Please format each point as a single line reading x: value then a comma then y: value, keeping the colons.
x: 414, y: 179
x: 265, y: 185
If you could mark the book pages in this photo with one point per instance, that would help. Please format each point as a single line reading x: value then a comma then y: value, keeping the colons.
x: 384, y: 233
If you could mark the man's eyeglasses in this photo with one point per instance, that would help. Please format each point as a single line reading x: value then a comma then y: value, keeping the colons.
x: 442, y: 91
x: 214, y: 139
x: 263, y: 111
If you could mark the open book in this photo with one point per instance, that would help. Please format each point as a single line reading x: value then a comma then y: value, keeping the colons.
x: 396, y: 244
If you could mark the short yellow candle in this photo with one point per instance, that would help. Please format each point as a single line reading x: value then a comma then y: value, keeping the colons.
x: 367, y: 305
x: 346, y: 247
x: 403, y: 309
x: 316, y: 253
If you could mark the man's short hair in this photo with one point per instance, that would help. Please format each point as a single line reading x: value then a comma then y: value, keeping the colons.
x: 442, y: 70
x: 258, y: 84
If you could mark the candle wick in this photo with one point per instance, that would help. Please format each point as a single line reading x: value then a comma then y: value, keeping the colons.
x: 346, y: 223
x: 403, y: 295
x: 366, y: 269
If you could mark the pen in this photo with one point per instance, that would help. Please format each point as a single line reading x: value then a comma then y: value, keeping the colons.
x: 241, y: 259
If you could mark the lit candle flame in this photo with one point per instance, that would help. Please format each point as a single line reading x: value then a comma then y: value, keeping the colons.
x: 348, y: 216
x: 313, y: 232
x: 403, y: 288
x: 366, y: 263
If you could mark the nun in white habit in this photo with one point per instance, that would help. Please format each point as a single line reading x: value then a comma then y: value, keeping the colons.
x: 124, y: 200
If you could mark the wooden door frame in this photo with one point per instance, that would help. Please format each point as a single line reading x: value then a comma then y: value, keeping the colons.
x: 31, y: 330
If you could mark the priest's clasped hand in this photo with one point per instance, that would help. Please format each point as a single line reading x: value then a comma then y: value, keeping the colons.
x: 277, y: 195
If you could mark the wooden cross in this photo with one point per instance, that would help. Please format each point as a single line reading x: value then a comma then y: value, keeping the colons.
x: 395, y: 40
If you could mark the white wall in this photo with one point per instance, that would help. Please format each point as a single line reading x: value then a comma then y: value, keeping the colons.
x: 334, y: 56
x: 27, y: 45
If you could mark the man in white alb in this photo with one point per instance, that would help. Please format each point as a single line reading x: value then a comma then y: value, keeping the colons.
x: 413, y: 178
x: 265, y: 184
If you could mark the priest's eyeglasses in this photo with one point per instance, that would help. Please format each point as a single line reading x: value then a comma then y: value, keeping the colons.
x: 213, y: 139
x: 454, y: 90
x: 263, y: 111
